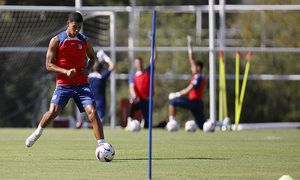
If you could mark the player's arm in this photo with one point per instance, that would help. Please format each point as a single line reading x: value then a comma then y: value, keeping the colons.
x: 183, y: 92
x: 50, y: 59
x: 154, y: 55
x: 90, y: 58
x: 103, y: 57
x: 190, y: 50
x: 132, y: 91
x: 186, y: 90
x: 111, y: 65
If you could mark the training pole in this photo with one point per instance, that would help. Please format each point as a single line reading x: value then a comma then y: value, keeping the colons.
x: 239, y: 99
x: 222, y: 88
x: 237, y: 85
x: 225, y: 93
x: 151, y: 94
x: 243, y: 89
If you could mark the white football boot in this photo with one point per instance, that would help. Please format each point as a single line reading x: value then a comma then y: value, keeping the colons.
x: 32, y: 138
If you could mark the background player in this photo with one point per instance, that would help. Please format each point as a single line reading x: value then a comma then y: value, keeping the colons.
x: 194, y: 90
x: 98, y: 79
x: 139, y: 85
x: 66, y: 57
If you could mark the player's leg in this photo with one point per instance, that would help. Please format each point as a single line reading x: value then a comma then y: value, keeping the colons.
x: 134, y: 106
x: 199, y: 118
x: 198, y: 113
x: 181, y: 102
x: 85, y: 101
x: 53, y: 112
x: 59, y: 100
x: 172, y: 112
x: 144, y: 104
x: 49, y: 116
x: 102, y: 117
x: 95, y: 120
x: 196, y: 107
x: 101, y: 110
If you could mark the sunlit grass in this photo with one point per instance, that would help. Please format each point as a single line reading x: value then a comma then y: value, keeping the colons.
x: 70, y: 154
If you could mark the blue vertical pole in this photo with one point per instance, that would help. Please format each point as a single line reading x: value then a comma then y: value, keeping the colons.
x: 151, y: 93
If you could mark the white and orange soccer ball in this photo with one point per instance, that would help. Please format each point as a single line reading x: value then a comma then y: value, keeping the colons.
x: 105, y: 152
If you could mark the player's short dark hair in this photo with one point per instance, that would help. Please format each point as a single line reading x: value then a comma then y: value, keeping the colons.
x: 139, y: 58
x: 98, y: 66
x: 199, y: 63
x: 75, y: 17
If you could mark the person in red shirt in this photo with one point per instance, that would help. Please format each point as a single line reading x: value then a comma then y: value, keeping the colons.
x: 66, y: 57
x: 194, y: 90
x: 139, y: 89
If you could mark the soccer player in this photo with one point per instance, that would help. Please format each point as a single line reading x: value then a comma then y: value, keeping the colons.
x: 139, y: 89
x: 98, y: 79
x: 66, y: 57
x: 194, y: 90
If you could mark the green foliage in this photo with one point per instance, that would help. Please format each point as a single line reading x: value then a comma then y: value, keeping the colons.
x: 265, y: 101
x: 272, y: 96
x: 279, y: 27
x: 179, y: 2
x: 68, y: 2
x: 41, y: 3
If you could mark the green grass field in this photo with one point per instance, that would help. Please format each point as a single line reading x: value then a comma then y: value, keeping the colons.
x: 70, y: 154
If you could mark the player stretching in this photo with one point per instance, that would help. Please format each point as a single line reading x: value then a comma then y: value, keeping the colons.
x: 66, y: 57
x: 97, y: 79
x: 194, y: 90
x: 139, y: 85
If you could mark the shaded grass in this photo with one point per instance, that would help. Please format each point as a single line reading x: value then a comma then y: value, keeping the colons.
x: 70, y: 154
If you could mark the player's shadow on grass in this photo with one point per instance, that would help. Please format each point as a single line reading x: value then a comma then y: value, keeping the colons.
x: 174, y: 158
x: 146, y: 159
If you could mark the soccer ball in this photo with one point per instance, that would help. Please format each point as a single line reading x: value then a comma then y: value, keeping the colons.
x: 209, y: 126
x: 134, y: 125
x: 172, y: 126
x: 105, y: 152
x: 190, y: 126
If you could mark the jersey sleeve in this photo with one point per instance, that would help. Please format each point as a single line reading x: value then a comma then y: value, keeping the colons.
x: 197, y: 81
x: 130, y: 80
x: 105, y: 74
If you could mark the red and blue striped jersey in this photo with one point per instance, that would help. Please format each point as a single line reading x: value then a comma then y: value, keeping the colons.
x: 71, y: 54
x: 141, y: 83
x: 198, y: 82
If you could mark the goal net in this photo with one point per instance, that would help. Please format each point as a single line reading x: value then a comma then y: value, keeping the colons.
x: 24, y: 38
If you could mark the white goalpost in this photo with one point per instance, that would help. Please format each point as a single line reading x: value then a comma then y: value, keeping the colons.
x: 26, y: 32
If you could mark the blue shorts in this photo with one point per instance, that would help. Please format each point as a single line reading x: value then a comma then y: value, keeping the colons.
x: 196, y: 106
x: 81, y: 94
